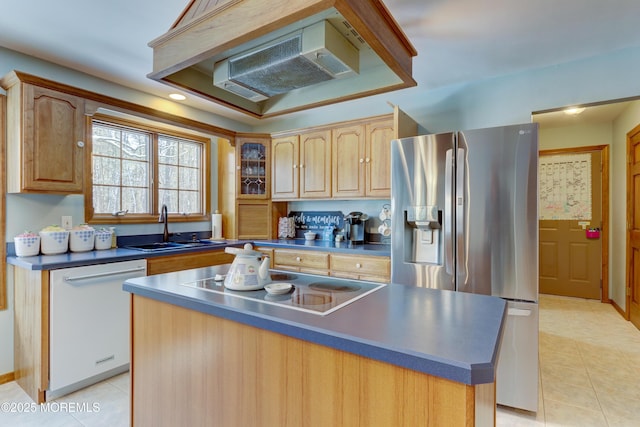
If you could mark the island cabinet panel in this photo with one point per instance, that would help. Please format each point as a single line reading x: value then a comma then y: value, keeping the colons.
x: 190, y: 368
x: 166, y: 264
x: 45, y: 138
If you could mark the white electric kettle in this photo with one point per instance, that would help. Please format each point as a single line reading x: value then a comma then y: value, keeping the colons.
x: 249, y: 270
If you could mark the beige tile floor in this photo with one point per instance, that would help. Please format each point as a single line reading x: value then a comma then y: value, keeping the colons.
x: 589, y: 367
x: 589, y: 376
x: 105, y: 404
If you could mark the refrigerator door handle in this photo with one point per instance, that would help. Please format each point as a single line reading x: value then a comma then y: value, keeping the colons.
x: 448, y: 212
x: 518, y: 312
x: 460, y: 207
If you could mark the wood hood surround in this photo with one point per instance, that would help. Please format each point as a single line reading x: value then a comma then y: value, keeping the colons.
x: 209, y: 31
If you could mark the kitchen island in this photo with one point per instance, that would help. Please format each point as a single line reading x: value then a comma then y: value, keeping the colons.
x: 396, y: 356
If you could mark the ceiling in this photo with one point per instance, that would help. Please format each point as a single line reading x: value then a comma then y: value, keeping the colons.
x: 456, y: 40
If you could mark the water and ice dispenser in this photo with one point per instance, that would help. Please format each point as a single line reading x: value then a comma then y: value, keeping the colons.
x: 423, y: 237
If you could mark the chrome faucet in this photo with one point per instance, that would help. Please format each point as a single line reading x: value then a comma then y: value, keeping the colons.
x: 164, y: 217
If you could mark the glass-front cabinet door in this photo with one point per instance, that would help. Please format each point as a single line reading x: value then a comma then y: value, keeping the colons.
x: 252, y: 167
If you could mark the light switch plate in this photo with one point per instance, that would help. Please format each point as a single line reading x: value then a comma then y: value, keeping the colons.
x: 66, y: 222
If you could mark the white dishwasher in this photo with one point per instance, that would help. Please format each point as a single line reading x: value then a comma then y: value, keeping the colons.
x: 89, y: 324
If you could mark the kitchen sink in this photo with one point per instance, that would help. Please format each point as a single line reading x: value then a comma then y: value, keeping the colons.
x: 164, y: 246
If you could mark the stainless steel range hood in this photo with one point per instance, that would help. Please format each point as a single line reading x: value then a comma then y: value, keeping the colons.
x: 251, y: 56
x: 315, y: 54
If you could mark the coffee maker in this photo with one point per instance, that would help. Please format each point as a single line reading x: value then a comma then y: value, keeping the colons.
x: 354, y: 226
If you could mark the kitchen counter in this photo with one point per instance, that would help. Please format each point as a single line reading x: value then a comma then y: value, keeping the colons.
x: 451, y: 335
x: 426, y: 356
x: 74, y: 259
x: 78, y: 259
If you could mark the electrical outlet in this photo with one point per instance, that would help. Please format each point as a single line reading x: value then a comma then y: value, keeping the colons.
x: 66, y: 222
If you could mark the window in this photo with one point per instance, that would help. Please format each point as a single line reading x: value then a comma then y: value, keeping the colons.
x: 135, y: 169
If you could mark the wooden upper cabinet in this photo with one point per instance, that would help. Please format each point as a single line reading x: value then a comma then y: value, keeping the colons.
x: 378, y: 136
x: 351, y: 160
x: 253, y: 167
x: 362, y: 159
x: 348, y: 158
x: 284, y: 167
x: 301, y: 166
x: 46, y: 134
x: 315, y: 164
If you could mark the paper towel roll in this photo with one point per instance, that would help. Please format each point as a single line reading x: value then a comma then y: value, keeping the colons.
x: 216, y: 226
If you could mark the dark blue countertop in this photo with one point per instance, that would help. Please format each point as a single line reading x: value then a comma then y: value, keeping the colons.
x: 78, y: 259
x: 447, y: 334
x: 74, y: 259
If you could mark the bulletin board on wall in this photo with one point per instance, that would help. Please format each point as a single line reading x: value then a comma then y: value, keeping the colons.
x: 565, y: 186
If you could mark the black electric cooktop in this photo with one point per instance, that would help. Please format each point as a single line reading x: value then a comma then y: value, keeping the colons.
x: 309, y: 293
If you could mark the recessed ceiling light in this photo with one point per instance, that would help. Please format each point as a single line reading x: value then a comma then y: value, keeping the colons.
x: 573, y: 111
x: 177, y: 96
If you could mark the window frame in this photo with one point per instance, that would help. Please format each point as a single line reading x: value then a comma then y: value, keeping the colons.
x: 155, y: 130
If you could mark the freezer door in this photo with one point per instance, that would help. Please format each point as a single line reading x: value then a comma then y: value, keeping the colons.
x: 497, y: 212
x: 422, y: 252
x: 517, y: 373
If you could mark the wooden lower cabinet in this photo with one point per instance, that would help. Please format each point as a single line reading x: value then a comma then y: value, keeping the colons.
x: 166, y: 264
x: 312, y: 262
x: 194, y: 369
x: 31, y: 315
x: 346, y: 266
x: 361, y: 267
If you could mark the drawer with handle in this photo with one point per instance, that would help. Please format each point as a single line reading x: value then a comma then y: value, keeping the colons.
x: 361, y: 265
x: 300, y: 259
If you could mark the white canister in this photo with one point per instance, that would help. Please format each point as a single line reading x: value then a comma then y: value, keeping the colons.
x: 27, y: 244
x: 81, y: 239
x: 54, y: 242
x: 102, y: 240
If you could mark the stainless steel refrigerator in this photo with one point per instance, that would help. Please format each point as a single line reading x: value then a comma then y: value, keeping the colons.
x: 465, y: 218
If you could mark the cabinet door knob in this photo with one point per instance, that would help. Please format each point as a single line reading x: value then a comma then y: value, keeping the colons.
x: 361, y: 160
x: 368, y: 160
x: 298, y: 259
x: 80, y: 144
x: 358, y: 265
x: 295, y: 166
x: 301, y: 166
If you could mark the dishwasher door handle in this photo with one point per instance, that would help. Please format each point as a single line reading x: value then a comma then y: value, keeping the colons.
x: 105, y: 274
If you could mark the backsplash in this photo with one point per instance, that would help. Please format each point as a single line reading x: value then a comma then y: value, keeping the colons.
x: 369, y: 207
x: 36, y: 211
